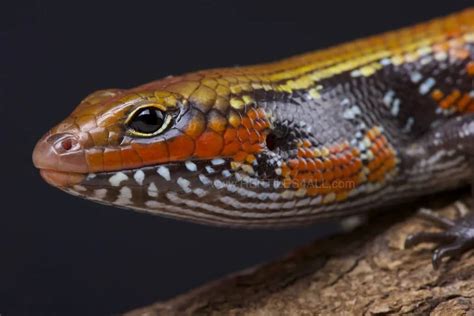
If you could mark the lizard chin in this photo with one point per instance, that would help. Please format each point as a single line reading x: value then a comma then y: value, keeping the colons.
x: 61, y: 179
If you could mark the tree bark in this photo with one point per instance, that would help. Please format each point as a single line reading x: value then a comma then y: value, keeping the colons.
x: 365, y: 272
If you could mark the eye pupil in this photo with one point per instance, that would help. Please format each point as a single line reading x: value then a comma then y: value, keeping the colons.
x: 147, y: 120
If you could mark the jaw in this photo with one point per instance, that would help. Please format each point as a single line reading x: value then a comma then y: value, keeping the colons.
x: 61, y: 179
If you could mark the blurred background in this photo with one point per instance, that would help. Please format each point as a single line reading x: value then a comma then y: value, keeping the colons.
x: 60, y: 255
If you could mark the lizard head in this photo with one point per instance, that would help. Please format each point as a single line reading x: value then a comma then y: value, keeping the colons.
x: 172, y: 147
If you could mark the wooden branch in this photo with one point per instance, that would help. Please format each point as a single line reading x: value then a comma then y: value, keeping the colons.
x: 366, y: 272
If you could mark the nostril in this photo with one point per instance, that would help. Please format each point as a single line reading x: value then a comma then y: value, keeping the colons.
x: 63, y: 142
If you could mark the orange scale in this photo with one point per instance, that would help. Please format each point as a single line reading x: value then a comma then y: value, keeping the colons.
x: 343, y: 195
x: 217, y: 124
x: 470, y: 108
x: 355, y: 152
x: 307, y: 143
x: 294, y: 172
x: 335, y: 149
x: 196, y: 126
x: 380, y: 146
x: 311, y: 165
x: 470, y: 68
x: 230, y: 135
x: 338, y: 173
x: 208, y: 145
x: 446, y: 103
x: 285, y: 170
x: 349, y: 156
x: 260, y: 125
x: 130, y: 158
x: 325, y: 188
x: 317, y: 176
x: 372, y: 135
x: 328, y: 163
x: 246, y: 122
x: 287, y: 182
x: 293, y: 163
x: 112, y: 159
x: 319, y: 163
x: 95, y: 159
x: 231, y: 148
x: 373, y: 177
x: 309, y: 153
x: 328, y: 175
x: 152, y: 153
x: 253, y: 114
x: 313, y: 191
x: 373, y: 164
x: 250, y: 158
x: 464, y: 102
x: 302, y: 164
x: 240, y: 156
x: 181, y: 147
x: 300, y: 152
x: 250, y: 148
x: 383, y: 139
x: 254, y: 137
x: 243, y: 134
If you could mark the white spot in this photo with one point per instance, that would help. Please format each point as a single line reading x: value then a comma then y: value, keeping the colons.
x: 152, y: 204
x: 316, y: 200
x: 351, y: 113
x: 351, y: 222
x: 248, y: 169
x: 209, y: 169
x: 100, y: 193
x: 355, y: 73
x: 287, y: 194
x: 152, y: 190
x: 395, y: 107
x: 276, y: 184
x: 184, y: 184
x: 117, y: 178
x: 139, y: 176
x: 408, y: 125
x: 300, y: 192
x: 205, y: 180
x: 91, y: 176
x: 329, y: 198
x: 124, y: 196
x: 426, y: 60
x: 415, y: 77
x: 78, y: 187
x: 440, y: 56
x: 226, y: 173
x: 191, y: 166
x: 217, y: 161
x: 164, y: 172
x: 385, y: 61
x: 387, y: 99
x: 218, y: 184
x: 426, y: 86
x: 303, y: 202
x: 199, y: 192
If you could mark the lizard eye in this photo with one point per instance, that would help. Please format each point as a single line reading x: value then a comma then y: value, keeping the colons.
x: 148, y: 121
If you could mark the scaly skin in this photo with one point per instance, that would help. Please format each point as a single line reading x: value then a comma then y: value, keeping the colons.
x: 324, y: 134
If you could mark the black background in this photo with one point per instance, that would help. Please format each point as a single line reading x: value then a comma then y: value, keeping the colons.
x: 63, y: 255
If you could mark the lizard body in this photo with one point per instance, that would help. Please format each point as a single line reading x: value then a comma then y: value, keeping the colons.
x: 326, y: 134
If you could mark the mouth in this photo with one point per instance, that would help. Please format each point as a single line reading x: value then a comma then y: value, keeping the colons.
x: 61, y: 179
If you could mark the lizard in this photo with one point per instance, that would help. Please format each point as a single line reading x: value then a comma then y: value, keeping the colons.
x: 323, y: 135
